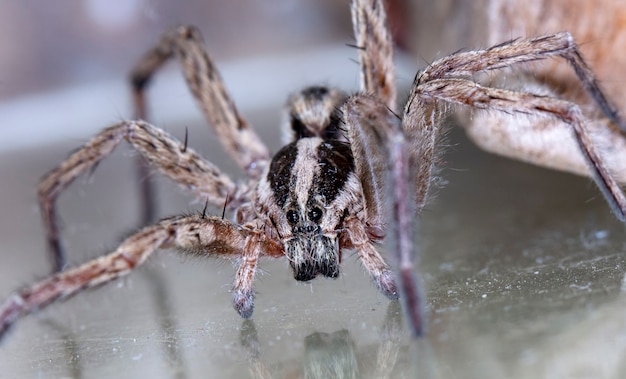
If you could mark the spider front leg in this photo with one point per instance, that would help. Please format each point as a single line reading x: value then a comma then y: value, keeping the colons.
x: 378, y: 145
x: 172, y: 158
x: 243, y: 294
x: 380, y: 272
x: 207, y: 87
x: 381, y: 156
x: 198, y: 235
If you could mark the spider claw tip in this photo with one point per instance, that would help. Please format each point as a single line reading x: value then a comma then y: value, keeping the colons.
x: 387, y: 285
x: 243, y: 301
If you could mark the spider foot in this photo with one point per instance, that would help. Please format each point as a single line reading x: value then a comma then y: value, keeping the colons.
x: 412, y: 299
x: 243, y: 302
x: 387, y: 285
x: 9, y: 312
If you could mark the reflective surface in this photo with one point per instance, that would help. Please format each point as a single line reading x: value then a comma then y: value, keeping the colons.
x: 524, y: 270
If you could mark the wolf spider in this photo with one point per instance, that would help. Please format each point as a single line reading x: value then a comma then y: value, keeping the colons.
x: 328, y: 188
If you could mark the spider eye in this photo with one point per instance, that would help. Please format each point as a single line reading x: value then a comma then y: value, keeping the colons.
x: 292, y: 217
x: 315, y: 214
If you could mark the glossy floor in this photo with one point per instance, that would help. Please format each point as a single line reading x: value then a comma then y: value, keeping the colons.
x: 524, y: 270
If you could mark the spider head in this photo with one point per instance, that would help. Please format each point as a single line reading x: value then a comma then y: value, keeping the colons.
x: 309, y: 189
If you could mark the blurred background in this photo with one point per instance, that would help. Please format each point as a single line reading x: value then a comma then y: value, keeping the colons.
x: 49, y: 45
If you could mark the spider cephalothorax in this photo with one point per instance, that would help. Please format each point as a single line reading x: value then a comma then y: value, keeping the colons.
x: 352, y: 173
x: 311, y: 186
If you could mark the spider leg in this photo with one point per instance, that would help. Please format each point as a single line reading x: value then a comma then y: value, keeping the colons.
x: 147, y: 195
x: 243, y: 294
x: 465, y: 64
x: 467, y: 92
x: 372, y: 261
x: 379, y: 147
x: 207, y: 87
x: 198, y: 235
x: 373, y: 40
x: 179, y: 163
